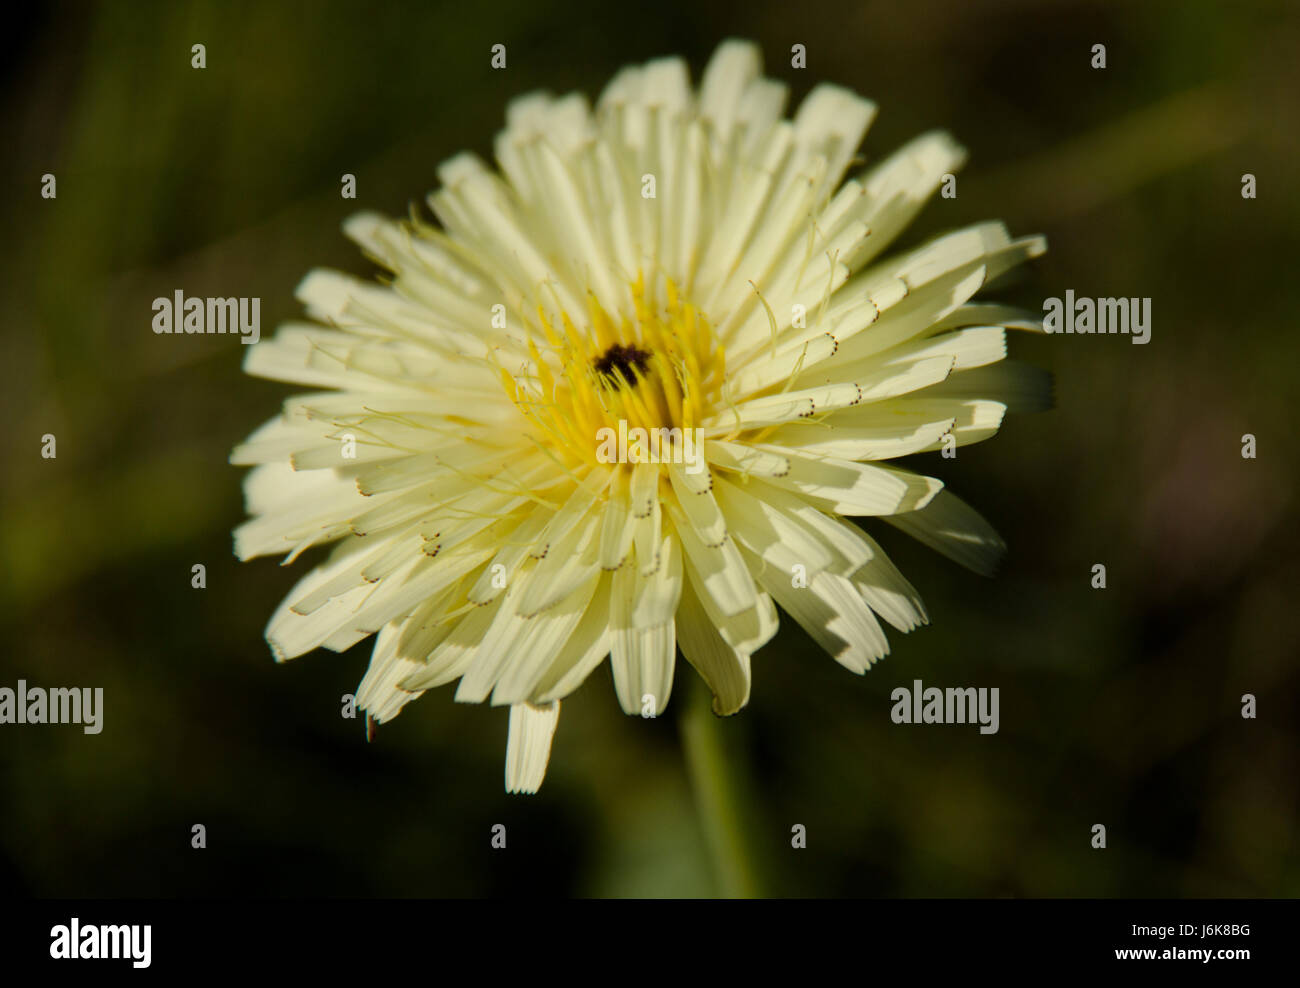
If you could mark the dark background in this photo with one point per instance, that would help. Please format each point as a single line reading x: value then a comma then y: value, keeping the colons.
x: 1118, y: 706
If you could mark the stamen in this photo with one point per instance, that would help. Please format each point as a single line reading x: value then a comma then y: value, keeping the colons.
x: 660, y: 367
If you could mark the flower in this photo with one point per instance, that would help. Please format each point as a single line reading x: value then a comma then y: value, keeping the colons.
x: 676, y: 266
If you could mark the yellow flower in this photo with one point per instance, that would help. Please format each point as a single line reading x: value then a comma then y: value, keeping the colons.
x: 685, y: 271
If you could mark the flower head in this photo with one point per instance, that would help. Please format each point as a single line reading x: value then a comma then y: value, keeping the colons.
x: 618, y: 402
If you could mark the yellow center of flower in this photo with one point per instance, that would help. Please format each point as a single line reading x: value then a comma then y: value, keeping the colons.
x: 662, y: 369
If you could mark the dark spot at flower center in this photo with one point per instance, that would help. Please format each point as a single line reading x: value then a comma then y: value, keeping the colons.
x: 630, y: 360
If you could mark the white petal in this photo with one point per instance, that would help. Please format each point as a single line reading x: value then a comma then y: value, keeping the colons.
x: 831, y: 121
x: 727, y: 78
x: 888, y: 593
x: 869, y: 382
x: 950, y: 526
x: 617, y: 523
x: 696, y: 500
x: 585, y: 649
x: 567, y: 565
x: 1021, y: 387
x: 642, y: 662
x: 850, y: 488
x: 726, y: 670
x: 379, y: 693
x: 528, y: 749
x: 542, y: 644
x: 642, y: 638
x: 718, y: 569
x: 767, y: 531
x: 453, y: 656
x: 830, y: 609
x: 886, y: 435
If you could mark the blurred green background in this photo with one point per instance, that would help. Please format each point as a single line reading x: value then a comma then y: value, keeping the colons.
x: 1119, y: 707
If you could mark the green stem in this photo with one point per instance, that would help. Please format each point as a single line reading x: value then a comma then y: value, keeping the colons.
x: 714, y: 779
